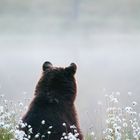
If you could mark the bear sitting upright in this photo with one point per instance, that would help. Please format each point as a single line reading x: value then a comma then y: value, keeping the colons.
x: 51, y: 114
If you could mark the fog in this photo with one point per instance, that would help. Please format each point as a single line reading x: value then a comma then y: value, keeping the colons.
x: 101, y: 37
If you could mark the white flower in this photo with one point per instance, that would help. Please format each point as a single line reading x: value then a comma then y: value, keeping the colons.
x: 1, y: 124
x: 29, y: 136
x: 21, y: 104
x: 43, y: 122
x: 65, y: 137
x: 71, y: 137
x: 114, y: 125
x: 2, y: 95
x: 43, y: 136
x: 49, y: 132
x: 1, y: 109
x: 115, y: 100
x: 64, y: 124
x: 118, y: 128
x: 63, y: 134
x: 19, y: 135
x: 125, y: 124
x: 76, y: 135
x: 128, y: 109
x: 134, y: 103
x: 92, y: 133
x: 30, y: 130
x: 72, y: 126
x: 29, y: 126
x: 50, y: 127
x: 37, y: 135
x: 109, y: 130
x: 75, y: 131
x: 22, y: 125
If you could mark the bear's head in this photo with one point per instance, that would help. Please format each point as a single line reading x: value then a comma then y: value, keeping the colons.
x: 57, y: 84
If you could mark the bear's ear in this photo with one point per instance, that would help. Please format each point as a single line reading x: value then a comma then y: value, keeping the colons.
x: 47, y: 65
x: 71, y: 70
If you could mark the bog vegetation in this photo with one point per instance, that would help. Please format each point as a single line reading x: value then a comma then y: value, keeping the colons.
x: 121, y: 122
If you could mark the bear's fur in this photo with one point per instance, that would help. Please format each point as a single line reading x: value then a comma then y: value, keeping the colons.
x: 53, y: 103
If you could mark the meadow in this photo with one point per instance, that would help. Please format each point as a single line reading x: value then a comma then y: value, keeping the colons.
x: 120, y: 121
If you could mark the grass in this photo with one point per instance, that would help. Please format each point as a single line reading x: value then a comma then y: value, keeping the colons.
x: 6, y: 134
x: 89, y: 136
x: 120, y: 120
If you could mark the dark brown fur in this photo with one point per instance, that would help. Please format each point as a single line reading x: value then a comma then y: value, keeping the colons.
x: 53, y: 102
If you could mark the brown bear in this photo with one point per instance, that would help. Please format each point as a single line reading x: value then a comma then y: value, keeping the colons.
x: 51, y: 114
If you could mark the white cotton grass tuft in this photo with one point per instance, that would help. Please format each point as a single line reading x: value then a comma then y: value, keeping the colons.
x: 49, y: 132
x: 10, y: 114
x: 121, y: 121
x: 64, y: 124
x: 37, y: 135
x: 134, y: 103
x: 19, y: 135
x: 43, y: 122
x: 1, y: 109
x: 116, y: 120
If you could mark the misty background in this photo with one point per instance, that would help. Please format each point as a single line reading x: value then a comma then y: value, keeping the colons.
x: 101, y: 37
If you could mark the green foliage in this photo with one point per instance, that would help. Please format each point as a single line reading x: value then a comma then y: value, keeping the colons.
x: 5, y: 134
x: 88, y: 137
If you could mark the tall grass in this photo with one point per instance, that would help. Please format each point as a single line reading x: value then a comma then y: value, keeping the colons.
x: 118, y: 120
x: 121, y: 122
x: 9, y: 114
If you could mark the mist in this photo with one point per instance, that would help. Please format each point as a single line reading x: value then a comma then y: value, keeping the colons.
x: 101, y: 37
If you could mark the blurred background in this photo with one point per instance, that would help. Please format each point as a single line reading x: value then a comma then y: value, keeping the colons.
x: 101, y: 37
